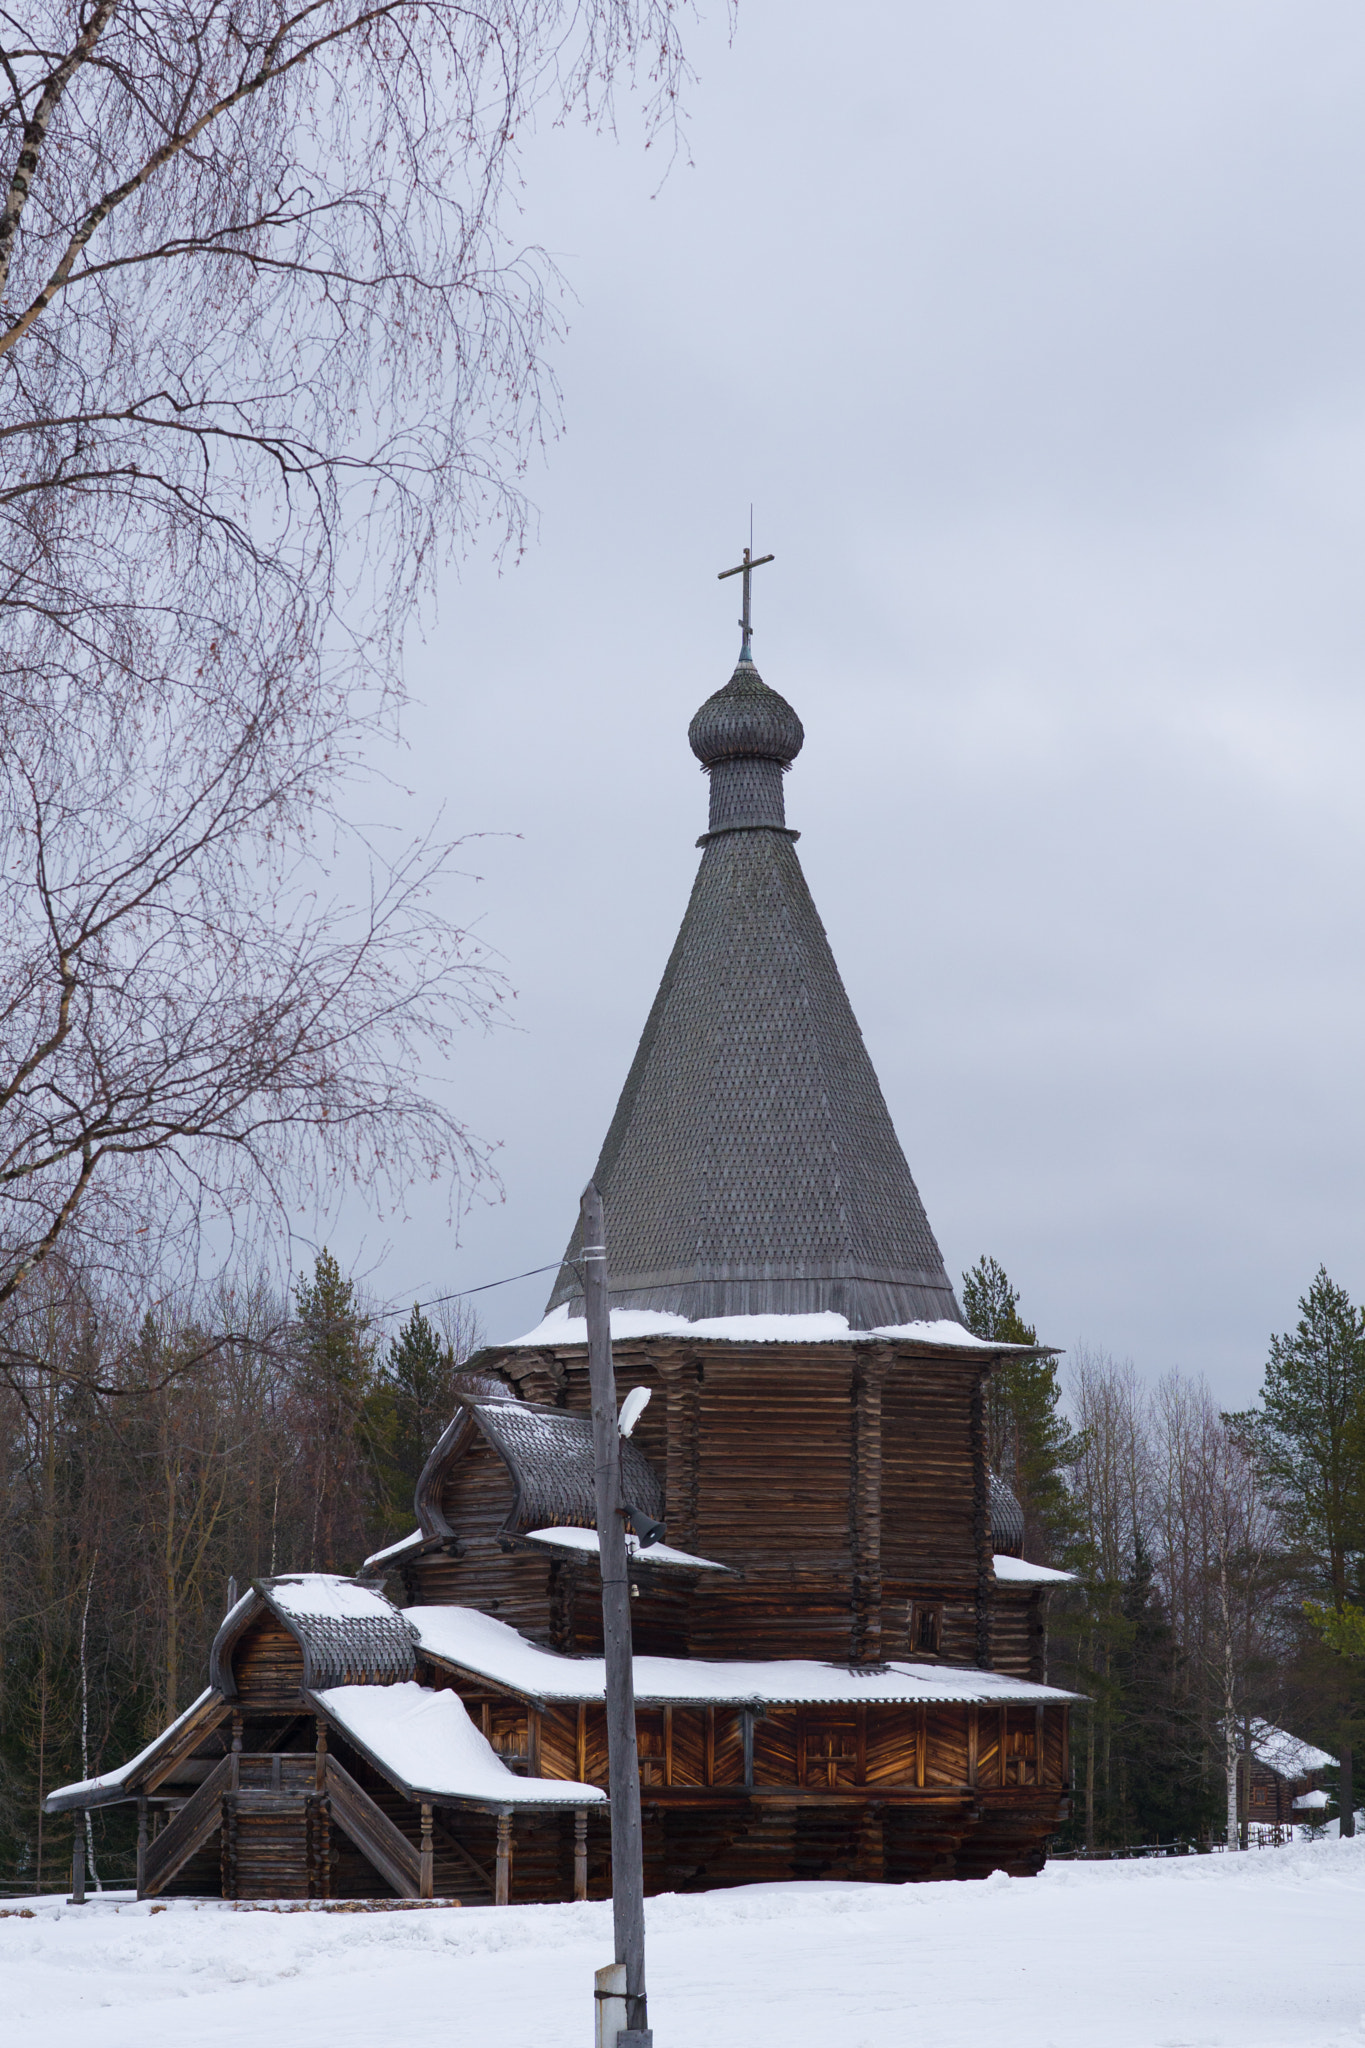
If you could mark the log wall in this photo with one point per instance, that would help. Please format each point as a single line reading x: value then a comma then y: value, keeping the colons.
x: 267, y: 1666
x: 841, y: 1483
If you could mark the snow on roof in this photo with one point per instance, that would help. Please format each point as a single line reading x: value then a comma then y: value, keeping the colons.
x: 490, y: 1649
x: 559, y: 1327
x: 942, y: 1332
x: 108, y: 1785
x: 402, y: 1548
x: 426, y: 1742
x: 1286, y: 1754
x: 653, y: 1553
x: 326, y: 1596
x: 1018, y: 1571
x: 1312, y: 1801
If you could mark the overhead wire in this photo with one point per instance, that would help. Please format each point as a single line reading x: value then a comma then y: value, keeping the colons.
x: 459, y: 1293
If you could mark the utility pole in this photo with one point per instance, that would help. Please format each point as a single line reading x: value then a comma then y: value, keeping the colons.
x: 621, y: 1988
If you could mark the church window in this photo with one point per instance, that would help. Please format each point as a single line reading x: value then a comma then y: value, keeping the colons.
x: 926, y: 1628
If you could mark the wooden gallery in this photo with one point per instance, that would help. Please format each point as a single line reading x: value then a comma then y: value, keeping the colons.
x: 841, y: 1655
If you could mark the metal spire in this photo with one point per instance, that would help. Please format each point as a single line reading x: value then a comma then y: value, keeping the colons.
x: 746, y: 569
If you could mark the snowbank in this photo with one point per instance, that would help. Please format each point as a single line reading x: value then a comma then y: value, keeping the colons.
x: 1127, y: 1955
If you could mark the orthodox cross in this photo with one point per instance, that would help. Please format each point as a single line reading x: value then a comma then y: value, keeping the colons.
x: 746, y: 569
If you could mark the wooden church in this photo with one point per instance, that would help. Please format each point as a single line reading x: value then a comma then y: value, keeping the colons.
x: 840, y: 1654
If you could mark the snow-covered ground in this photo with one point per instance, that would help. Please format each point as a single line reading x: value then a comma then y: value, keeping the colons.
x: 1265, y: 1950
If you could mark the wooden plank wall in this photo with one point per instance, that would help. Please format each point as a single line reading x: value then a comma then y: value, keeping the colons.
x: 843, y: 1484
x: 515, y: 1586
x: 876, y: 1792
x: 840, y: 1482
x: 1018, y: 1632
x: 267, y: 1665
x: 816, y: 1748
x: 928, y: 1542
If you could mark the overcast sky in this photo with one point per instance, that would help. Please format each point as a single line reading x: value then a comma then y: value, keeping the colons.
x: 1036, y: 335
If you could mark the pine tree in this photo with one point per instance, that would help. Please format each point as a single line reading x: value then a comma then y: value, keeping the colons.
x: 1308, y: 1435
x: 420, y: 1371
x: 343, y: 1417
x: 1030, y: 1443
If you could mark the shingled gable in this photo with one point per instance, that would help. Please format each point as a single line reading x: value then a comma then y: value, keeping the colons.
x: 751, y: 1166
x: 349, y: 1633
x: 548, y: 1455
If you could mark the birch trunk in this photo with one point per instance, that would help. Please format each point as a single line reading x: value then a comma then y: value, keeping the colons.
x: 1229, y: 1702
x: 85, y: 1725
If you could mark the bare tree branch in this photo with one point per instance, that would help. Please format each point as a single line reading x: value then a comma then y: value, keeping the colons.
x: 267, y: 349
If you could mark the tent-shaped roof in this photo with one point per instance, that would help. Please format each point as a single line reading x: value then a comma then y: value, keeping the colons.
x: 751, y: 1166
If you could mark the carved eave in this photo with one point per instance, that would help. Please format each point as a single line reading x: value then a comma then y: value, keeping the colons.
x: 158, y: 1761
x: 232, y: 1628
x: 518, y: 1362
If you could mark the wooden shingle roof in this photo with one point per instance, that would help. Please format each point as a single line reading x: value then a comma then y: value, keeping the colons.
x: 752, y: 1167
x: 549, y: 1458
x: 348, y: 1631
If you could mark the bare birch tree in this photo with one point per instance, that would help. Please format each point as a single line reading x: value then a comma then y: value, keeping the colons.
x: 1109, y: 1481
x: 266, y: 346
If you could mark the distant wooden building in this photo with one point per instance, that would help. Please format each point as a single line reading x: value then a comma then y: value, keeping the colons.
x: 841, y: 1654
x: 1281, y: 1778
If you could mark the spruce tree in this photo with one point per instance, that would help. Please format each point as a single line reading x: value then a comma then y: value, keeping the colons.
x: 1029, y: 1441
x: 1163, y: 1792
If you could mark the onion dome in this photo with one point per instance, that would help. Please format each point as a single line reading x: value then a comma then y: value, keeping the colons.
x: 746, y: 720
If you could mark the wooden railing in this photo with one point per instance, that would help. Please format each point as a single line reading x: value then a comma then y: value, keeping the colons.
x: 373, y: 1833
x: 187, y: 1831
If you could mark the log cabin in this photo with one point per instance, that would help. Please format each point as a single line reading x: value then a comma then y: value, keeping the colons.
x: 840, y: 1652
x: 1281, y: 1779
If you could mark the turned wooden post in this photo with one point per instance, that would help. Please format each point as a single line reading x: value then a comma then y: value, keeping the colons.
x: 580, y: 1852
x: 141, y: 1842
x: 78, y: 1861
x: 424, y: 1880
x: 502, y: 1873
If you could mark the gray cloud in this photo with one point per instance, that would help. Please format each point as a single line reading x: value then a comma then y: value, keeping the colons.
x: 1037, y: 336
